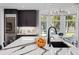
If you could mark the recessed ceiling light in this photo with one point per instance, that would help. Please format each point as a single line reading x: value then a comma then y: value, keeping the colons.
x: 72, y: 6
x: 23, y: 6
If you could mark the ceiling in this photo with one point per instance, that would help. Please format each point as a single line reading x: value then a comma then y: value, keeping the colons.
x: 41, y: 6
x: 36, y: 5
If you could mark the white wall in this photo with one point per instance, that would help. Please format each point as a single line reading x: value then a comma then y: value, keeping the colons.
x: 77, y: 26
x: 1, y: 26
x: 62, y: 24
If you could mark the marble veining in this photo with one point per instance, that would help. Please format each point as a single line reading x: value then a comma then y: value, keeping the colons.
x: 28, y: 51
x: 45, y: 50
x: 58, y: 51
x: 28, y: 47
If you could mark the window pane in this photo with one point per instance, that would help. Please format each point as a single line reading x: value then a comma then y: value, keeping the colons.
x: 55, y: 18
x: 56, y: 25
x: 43, y: 25
x: 70, y: 25
x: 56, y: 22
x: 71, y: 17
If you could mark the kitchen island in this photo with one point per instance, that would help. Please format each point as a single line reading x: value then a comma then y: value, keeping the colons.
x: 27, y: 46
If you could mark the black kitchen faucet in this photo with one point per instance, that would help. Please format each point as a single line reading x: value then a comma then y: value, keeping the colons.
x: 51, y: 36
x: 51, y: 30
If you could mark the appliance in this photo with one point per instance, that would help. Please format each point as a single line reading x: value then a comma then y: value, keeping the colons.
x: 10, y: 28
x: 10, y: 24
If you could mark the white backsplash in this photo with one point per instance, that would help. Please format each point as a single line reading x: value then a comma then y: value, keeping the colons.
x: 26, y: 30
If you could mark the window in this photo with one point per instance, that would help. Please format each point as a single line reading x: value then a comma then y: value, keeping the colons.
x: 43, y: 25
x: 70, y: 25
x: 56, y: 22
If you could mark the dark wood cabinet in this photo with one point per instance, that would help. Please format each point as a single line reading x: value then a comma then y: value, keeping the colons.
x: 27, y: 17
x: 10, y: 11
x: 22, y: 17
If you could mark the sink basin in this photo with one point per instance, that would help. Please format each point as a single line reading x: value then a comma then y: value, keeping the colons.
x: 59, y: 45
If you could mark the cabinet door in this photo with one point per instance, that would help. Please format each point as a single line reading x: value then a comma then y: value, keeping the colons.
x: 27, y: 17
x: 10, y: 11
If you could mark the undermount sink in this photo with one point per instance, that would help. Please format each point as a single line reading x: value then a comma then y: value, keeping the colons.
x: 59, y: 45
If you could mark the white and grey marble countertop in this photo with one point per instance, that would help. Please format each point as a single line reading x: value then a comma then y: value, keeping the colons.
x: 22, y: 47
